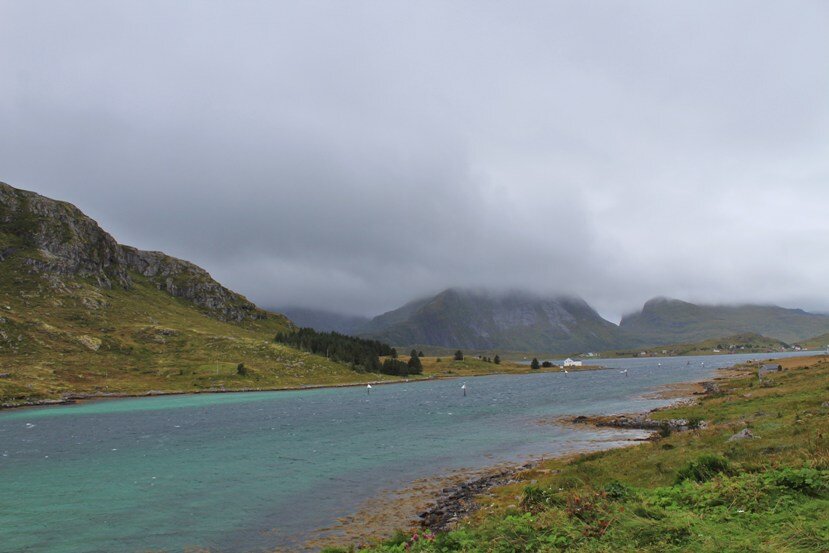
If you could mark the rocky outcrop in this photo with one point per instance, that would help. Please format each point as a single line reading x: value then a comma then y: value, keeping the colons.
x: 744, y: 434
x: 185, y: 280
x: 457, y: 502
x: 56, y: 239
x: 640, y: 422
x: 63, y: 239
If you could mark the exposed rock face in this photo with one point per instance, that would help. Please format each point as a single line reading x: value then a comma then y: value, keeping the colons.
x: 56, y: 238
x: 67, y: 241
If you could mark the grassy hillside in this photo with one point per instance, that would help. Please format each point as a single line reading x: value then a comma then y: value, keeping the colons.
x: 685, y: 491
x: 818, y: 342
x: 668, y: 321
x: 739, y: 343
x: 82, y: 339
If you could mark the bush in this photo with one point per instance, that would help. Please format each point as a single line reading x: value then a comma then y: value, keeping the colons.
x: 618, y: 491
x: 241, y: 369
x: 807, y: 481
x: 535, y: 499
x: 459, y: 355
x: 704, y: 468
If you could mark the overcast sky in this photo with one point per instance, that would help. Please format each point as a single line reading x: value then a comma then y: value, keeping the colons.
x: 356, y: 155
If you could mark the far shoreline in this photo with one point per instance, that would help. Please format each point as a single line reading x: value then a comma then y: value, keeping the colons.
x: 82, y: 398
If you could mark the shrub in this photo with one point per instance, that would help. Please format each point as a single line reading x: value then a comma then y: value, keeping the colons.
x: 704, y: 468
x: 807, y: 481
x: 241, y: 369
x: 535, y: 499
x: 618, y: 491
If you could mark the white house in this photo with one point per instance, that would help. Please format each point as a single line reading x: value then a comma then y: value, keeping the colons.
x: 570, y: 363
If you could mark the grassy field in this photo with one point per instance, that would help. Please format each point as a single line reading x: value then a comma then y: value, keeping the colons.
x: 687, y: 491
x: 470, y: 366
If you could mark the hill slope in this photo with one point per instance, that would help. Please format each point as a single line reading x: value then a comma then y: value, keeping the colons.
x: 739, y: 343
x: 486, y: 321
x: 669, y: 321
x: 82, y: 314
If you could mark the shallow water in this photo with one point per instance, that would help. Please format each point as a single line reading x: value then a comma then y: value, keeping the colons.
x: 253, y: 471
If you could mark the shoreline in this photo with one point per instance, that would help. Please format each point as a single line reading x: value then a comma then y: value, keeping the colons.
x: 438, y: 503
x: 76, y: 398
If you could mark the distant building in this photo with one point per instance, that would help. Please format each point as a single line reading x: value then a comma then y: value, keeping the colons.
x: 570, y: 363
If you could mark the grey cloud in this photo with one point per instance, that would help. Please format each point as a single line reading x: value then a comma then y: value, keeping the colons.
x: 356, y: 155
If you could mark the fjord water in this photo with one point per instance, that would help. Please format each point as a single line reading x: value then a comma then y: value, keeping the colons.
x: 253, y: 471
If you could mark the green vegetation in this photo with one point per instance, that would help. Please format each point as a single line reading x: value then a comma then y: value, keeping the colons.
x: 687, y: 491
x: 818, y: 342
x: 362, y: 355
x: 534, y: 364
x: 415, y: 364
x: 738, y: 343
x: 669, y: 321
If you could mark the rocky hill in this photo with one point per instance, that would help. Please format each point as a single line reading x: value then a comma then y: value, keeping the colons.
x: 56, y: 239
x: 480, y: 320
x: 670, y: 321
x: 83, y: 315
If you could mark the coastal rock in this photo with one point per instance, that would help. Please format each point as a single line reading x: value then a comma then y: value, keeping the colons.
x: 711, y: 388
x: 459, y: 501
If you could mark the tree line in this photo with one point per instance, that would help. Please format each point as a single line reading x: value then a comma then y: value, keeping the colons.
x: 360, y: 354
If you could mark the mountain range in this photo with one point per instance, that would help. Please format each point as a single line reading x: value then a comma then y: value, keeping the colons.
x: 519, y: 321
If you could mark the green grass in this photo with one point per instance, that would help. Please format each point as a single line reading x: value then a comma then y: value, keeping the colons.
x: 690, y: 491
x: 67, y: 336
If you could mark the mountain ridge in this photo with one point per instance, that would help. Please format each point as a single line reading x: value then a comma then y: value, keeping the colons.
x: 58, y: 239
x: 478, y: 319
x: 663, y: 321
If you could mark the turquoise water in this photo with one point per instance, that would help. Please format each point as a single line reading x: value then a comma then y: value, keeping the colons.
x: 253, y: 471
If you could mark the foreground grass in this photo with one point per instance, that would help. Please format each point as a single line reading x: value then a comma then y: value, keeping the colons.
x: 690, y: 491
